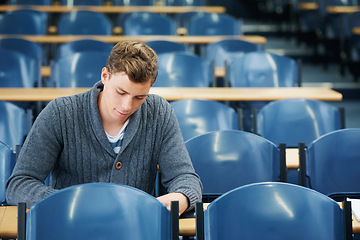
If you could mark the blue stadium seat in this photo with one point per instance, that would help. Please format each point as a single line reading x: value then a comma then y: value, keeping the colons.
x: 7, y: 163
x: 84, y: 23
x: 197, y: 117
x: 162, y: 46
x: 24, y: 21
x: 229, y: 159
x: 294, y: 121
x: 333, y: 162
x: 98, y: 211
x: 181, y: 69
x: 81, y: 69
x: 148, y: 23
x: 83, y: 45
x: 272, y: 211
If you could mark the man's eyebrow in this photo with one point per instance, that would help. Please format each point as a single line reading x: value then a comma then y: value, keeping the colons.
x: 141, y: 95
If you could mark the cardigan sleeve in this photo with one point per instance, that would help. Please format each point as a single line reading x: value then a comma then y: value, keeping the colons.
x: 36, y: 160
x: 177, y: 171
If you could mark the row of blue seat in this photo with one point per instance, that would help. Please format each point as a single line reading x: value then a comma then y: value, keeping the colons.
x: 255, y: 211
x: 188, y: 3
x: 26, y: 21
x: 244, y: 70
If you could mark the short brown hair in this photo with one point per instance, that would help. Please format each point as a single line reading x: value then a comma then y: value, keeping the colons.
x: 136, y: 59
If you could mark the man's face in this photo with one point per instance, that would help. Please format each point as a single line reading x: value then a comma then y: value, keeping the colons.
x: 120, y: 97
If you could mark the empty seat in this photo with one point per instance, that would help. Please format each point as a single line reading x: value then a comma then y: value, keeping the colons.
x: 197, y: 117
x: 214, y: 24
x: 7, y: 163
x: 162, y: 46
x: 181, y: 69
x: 84, y: 23
x: 147, y: 23
x: 229, y: 159
x: 83, y: 45
x: 81, y: 69
x: 24, y: 21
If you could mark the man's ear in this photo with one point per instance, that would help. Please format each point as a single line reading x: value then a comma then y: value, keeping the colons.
x: 105, y: 74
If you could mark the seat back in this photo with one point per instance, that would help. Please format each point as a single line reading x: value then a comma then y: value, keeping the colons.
x: 188, y: 3
x: 262, y: 69
x: 278, y: 211
x: 133, y: 2
x: 182, y: 19
x: 83, y: 45
x: 163, y: 46
x: 214, y: 24
x: 333, y: 162
x: 81, y: 69
x: 148, y: 23
x: 224, y: 51
x: 7, y: 163
x: 30, y: 2
x: 292, y: 121
x: 197, y: 117
x: 18, y: 70
x: 98, y: 211
x: 13, y: 124
x: 228, y: 159
x: 84, y: 23
x: 181, y: 69
x: 29, y: 48
x: 24, y: 21
x: 82, y: 2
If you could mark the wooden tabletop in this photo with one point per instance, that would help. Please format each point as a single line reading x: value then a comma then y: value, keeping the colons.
x: 356, y: 30
x: 143, y: 38
x: 177, y: 93
x: 118, y: 9
x: 308, y: 6
x: 342, y: 9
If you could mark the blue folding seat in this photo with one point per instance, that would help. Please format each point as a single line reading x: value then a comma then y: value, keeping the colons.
x: 224, y: 51
x: 30, y: 2
x: 98, y: 211
x: 272, y: 211
x: 187, y: 3
x: 229, y: 159
x: 181, y: 69
x: 197, y: 117
x: 133, y: 2
x: 24, y: 21
x: 83, y: 45
x: 7, y: 163
x: 333, y: 163
x: 148, y: 23
x: 214, y: 24
x: 81, y: 69
x: 82, y: 2
x: 163, y: 46
x: 14, y: 124
x: 296, y: 120
x: 84, y: 23
x: 18, y: 70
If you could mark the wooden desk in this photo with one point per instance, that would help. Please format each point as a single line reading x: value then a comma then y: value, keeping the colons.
x: 143, y: 38
x: 46, y: 71
x: 187, y: 226
x: 308, y: 6
x: 342, y: 9
x: 356, y: 30
x: 177, y: 93
x: 117, y: 9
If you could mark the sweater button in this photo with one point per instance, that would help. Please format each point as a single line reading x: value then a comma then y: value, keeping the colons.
x: 118, y: 165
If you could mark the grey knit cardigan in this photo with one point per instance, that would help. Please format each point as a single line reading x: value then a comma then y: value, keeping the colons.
x: 68, y: 140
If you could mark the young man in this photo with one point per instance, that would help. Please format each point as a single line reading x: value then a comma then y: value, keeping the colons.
x: 116, y: 132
